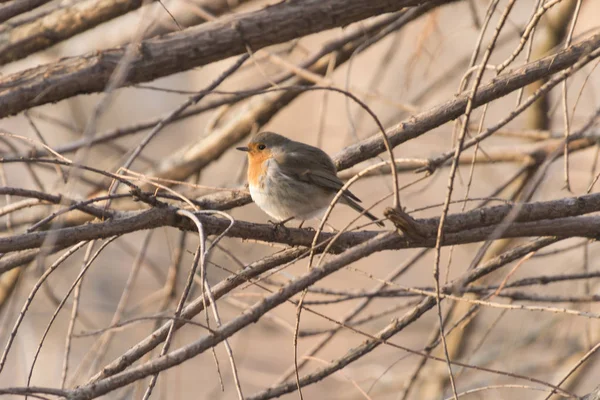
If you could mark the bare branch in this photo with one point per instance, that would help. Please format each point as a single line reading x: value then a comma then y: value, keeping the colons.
x: 190, y: 48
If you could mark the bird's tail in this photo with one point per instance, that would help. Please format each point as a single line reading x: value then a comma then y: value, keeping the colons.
x: 358, y: 207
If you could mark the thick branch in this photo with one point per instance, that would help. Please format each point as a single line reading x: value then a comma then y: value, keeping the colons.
x: 550, y: 218
x: 190, y: 48
x: 64, y: 23
x: 17, y: 7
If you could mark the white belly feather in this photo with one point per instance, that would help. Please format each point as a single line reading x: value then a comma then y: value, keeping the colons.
x: 282, y: 197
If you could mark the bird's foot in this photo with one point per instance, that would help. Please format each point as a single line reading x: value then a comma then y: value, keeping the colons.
x: 308, y: 228
x: 280, y: 224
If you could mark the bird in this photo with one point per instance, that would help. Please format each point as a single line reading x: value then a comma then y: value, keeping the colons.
x: 289, y: 179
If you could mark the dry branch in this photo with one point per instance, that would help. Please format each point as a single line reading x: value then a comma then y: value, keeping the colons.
x: 25, y: 39
x: 26, y: 234
x: 176, y: 357
x: 425, y: 121
x: 190, y: 48
x: 62, y: 24
x: 550, y: 218
x: 398, y: 325
x: 17, y: 7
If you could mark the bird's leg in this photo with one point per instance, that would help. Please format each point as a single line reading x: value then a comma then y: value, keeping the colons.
x: 281, y: 224
x: 308, y: 228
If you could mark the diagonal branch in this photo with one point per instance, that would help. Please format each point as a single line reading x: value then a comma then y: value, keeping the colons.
x: 17, y: 7
x: 190, y: 48
x: 423, y: 122
x: 59, y: 25
x: 65, y: 22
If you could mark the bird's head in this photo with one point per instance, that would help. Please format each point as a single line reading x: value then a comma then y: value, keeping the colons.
x: 265, y: 145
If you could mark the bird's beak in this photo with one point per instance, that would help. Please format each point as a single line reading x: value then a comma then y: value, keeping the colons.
x: 242, y: 148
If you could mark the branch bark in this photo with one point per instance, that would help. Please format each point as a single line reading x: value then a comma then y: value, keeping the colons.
x: 252, y: 314
x: 550, y: 218
x: 190, y: 48
x: 17, y: 7
x: 62, y: 24
x: 423, y: 122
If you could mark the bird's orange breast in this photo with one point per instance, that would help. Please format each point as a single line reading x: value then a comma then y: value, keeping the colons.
x: 257, y: 166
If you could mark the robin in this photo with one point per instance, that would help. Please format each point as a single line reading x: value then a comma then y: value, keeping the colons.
x: 290, y: 179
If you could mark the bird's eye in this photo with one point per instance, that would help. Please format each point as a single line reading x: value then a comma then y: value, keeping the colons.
x: 261, y: 146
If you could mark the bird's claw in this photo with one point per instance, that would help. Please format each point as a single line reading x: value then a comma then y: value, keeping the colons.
x: 279, y: 224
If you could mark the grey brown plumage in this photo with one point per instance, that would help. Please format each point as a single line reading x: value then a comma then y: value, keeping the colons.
x: 293, y: 179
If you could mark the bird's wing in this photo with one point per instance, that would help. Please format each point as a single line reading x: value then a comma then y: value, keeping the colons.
x: 316, y: 168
